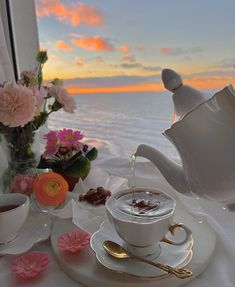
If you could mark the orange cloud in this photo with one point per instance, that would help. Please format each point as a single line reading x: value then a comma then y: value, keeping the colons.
x: 177, y: 51
x: 166, y: 50
x: 125, y: 49
x: 63, y: 46
x: 75, y: 15
x: 93, y: 44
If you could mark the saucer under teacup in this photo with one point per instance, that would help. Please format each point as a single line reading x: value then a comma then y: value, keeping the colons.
x: 175, y: 256
x: 36, y: 228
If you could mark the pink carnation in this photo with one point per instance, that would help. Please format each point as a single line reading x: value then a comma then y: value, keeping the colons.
x: 22, y: 183
x: 40, y: 95
x: 62, y: 96
x: 17, y: 105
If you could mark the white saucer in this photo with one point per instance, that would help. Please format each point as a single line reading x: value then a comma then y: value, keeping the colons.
x: 36, y: 228
x: 172, y: 255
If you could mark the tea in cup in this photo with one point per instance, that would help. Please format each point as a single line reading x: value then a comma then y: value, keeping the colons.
x: 142, y: 219
x: 14, y: 210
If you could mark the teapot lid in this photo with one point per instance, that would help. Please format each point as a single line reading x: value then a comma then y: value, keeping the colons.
x: 185, y: 98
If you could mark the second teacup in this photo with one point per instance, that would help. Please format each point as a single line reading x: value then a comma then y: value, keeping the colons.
x: 143, y: 219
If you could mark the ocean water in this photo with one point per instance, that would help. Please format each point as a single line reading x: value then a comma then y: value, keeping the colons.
x: 120, y: 122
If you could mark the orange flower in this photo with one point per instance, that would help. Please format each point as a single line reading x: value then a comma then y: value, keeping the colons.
x: 50, y: 189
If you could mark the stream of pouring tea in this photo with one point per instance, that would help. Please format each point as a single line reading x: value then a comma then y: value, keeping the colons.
x: 133, y: 159
x: 146, y: 203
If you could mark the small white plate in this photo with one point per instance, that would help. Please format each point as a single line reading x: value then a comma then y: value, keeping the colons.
x: 36, y: 228
x: 85, y: 268
x: 175, y: 256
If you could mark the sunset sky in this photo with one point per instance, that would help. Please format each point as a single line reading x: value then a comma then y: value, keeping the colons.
x: 122, y: 45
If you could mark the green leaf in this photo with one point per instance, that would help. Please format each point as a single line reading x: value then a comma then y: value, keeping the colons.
x: 56, y: 106
x: 68, y: 163
x: 45, y: 163
x: 79, y: 169
x: 92, y: 154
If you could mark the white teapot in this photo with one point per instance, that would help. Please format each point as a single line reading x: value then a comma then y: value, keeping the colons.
x: 204, y: 135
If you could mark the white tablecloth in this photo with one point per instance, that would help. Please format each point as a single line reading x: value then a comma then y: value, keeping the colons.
x: 220, y: 272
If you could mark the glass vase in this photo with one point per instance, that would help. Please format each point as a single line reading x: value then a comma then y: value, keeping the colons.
x: 21, y: 148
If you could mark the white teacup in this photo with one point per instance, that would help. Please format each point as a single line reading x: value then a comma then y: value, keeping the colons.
x: 143, y: 224
x: 14, y: 208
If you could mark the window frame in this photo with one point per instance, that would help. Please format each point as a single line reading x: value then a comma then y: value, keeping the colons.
x: 21, y: 33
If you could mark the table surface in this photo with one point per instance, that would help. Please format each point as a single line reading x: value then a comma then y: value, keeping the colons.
x: 220, y: 271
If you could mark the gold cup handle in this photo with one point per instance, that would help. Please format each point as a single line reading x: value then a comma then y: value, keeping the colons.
x: 172, y: 229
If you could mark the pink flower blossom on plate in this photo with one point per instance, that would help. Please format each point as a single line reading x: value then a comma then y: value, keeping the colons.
x: 30, y: 264
x: 22, y: 183
x: 17, y: 105
x: 69, y: 136
x: 52, y: 145
x: 73, y: 241
x: 62, y: 96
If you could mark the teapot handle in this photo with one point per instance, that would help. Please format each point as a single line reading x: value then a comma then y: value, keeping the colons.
x: 172, y: 229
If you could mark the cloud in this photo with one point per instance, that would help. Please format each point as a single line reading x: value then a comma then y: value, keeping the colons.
x: 141, y: 66
x: 80, y: 61
x: 177, y: 51
x: 98, y: 60
x: 171, y: 51
x: 114, y: 84
x: 213, y: 81
x: 74, y: 35
x: 125, y: 48
x: 93, y: 43
x: 75, y: 14
x: 131, y: 65
x: 226, y: 63
x: 128, y: 58
x: 100, y: 43
x: 110, y: 81
x: 139, y: 47
x: 63, y: 46
x: 210, y: 74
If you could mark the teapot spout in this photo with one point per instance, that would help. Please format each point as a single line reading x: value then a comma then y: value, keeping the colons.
x: 172, y: 171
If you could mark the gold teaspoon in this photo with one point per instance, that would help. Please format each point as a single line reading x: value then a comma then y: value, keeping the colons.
x: 117, y: 251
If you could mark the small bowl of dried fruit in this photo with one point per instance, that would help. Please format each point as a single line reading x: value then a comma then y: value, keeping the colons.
x: 95, y: 196
x: 97, y: 188
x: 91, y: 195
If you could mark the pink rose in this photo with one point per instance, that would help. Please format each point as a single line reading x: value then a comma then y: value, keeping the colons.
x: 17, y: 105
x: 62, y: 96
x: 22, y: 183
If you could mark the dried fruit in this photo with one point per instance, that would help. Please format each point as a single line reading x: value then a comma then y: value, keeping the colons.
x: 96, y: 196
